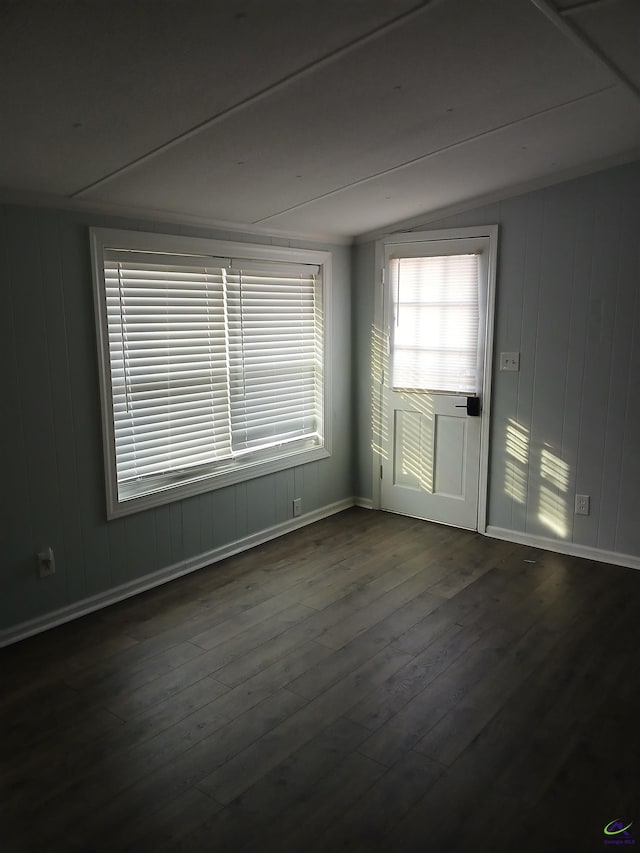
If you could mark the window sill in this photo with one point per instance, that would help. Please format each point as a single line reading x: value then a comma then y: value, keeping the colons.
x: 148, y: 494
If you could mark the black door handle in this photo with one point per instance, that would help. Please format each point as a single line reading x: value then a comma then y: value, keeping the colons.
x: 472, y: 406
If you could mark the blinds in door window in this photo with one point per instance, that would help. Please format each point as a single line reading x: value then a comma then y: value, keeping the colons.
x: 434, y: 338
x: 209, y: 361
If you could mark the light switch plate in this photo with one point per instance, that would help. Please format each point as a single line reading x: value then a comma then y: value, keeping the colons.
x: 510, y: 361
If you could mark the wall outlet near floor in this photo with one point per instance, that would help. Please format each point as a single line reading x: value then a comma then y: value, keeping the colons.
x: 582, y: 504
x: 297, y: 507
x: 46, y: 562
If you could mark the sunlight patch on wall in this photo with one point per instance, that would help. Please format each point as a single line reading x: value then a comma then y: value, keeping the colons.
x: 517, y: 443
x: 552, y: 507
x: 379, y: 393
x: 552, y: 468
x: 515, y: 482
x: 517, y: 450
x: 552, y: 511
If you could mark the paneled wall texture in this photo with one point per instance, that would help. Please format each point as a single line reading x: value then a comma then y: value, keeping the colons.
x: 568, y: 299
x: 53, y: 480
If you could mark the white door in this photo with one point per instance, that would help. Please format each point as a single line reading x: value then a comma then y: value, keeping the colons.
x: 432, y: 379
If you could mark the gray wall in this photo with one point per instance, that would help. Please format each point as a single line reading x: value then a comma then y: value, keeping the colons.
x: 568, y: 298
x: 53, y: 482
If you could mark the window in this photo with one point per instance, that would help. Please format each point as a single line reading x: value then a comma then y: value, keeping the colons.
x: 435, y: 330
x: 212, y: 363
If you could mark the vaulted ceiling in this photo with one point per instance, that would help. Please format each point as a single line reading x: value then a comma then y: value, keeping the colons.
x: 333, y: 117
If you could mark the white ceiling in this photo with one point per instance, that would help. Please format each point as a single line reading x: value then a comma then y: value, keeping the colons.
x: 332, y: 117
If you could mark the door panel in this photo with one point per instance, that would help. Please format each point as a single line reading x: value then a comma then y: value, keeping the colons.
x: 434, y: 447
x: 450, y: 436
x: 430, y: 449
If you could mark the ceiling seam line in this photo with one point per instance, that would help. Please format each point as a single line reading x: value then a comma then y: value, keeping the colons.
x: 578, y: 7
x: 435, y: 152
x: 424, y: 220
x: 40, y: 200
x: 258, y: 96
x: 582, y: 40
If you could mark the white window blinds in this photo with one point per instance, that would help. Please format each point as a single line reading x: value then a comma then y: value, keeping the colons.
x: 275, y: 356
x: 434, y: 338
x: 209, y: 360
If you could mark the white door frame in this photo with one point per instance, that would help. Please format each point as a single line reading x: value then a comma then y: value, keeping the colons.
x: 490, y: 231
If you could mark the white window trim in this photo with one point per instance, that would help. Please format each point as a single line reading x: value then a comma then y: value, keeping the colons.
x: 107, y: 238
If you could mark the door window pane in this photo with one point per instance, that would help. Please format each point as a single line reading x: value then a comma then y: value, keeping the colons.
x: 434, y: 337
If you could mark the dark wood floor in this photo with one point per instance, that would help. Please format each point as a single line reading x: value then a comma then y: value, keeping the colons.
x: 368, y: 683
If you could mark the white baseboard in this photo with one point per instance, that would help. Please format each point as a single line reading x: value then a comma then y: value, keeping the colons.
x: 560, y: 547
x: 184, y: 567
x: 365, y: 503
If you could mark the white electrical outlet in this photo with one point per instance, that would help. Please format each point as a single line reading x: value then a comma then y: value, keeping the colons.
x: 46, y: 562
x: 510, y: 361
x: 297, y: 507
x: 582, y: 504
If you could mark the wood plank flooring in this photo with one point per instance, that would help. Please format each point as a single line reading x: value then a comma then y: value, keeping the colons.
x: 367, y: 683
